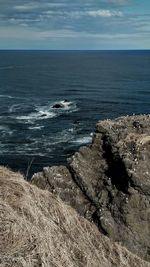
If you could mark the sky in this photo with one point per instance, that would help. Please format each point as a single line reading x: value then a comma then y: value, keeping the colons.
x: 75, y: 25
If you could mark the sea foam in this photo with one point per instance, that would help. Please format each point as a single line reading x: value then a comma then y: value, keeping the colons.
x: 42, y: 112
x: 83, y: 140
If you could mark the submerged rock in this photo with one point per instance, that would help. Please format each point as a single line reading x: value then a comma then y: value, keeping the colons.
x: 112, y: 178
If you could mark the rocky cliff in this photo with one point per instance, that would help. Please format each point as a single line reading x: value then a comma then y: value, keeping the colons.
x: 108, y: 182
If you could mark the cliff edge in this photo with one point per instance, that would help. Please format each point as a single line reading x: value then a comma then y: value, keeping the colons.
x: 108, y: 182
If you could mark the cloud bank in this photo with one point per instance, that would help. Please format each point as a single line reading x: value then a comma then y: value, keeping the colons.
x: 105, y: 21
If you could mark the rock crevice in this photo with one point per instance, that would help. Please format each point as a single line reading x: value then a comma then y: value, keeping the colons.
x: 116, y: 169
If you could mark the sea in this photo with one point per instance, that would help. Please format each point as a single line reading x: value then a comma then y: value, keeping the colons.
x: 50, y: 101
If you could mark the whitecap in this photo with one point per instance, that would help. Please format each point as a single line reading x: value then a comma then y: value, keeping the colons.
x: 12, y: 97
x: 71, y: 130
x: 83, y: 140
x: 31, y: 118
x: 14, y: 107
x: 32, y: 149
x: 64, y: 136
x: 68, y: 106
x: 6, y: 96
x: 38, y: 127
x: 47, y: 111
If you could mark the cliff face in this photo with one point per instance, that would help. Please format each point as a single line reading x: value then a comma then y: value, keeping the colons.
x: 38, y: 229
x: 108, y: 182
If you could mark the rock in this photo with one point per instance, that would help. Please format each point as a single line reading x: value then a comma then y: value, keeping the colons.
x: 58, y: 180
x: 76, y: 122
x: 57, y: 105
x: 38, y: 229
x: 113, y: 174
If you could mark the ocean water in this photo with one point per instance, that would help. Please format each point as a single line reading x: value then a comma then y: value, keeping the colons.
x: 88, y: 85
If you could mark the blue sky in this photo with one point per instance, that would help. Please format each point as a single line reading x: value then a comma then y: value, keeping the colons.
x: 78, y: 24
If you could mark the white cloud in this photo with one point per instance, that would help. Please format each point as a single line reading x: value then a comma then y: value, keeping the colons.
x: 104, y: 13
x: 31, y: 6
x: 56, y: 5
x: 78, y: 14
x: 22, y: 21
x: 26, y: 7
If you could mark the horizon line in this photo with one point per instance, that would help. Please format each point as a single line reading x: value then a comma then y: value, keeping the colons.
x: 92, y: 50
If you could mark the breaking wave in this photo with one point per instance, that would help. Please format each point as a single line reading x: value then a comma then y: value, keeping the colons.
x: 47, y: 111
x: 83, y: 140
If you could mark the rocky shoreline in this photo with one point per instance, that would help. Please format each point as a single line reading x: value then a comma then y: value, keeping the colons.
x: 96, y: 205
x: 108, y: 182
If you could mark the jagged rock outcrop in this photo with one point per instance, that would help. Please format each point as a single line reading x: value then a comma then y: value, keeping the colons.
x: 112, y: 178
x: 38, y: 229
x: 58, y: 180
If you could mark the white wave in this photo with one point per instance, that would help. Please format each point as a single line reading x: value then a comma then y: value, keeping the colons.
x: 14, y: 107
x: 50, y: 143
x: 63, y: 137
x: 31, y: 153
x: 71, y: 130
x: 12, y: 97
x: 3, y: 128
x: 6, y: 96
x: 38, y: 127
x: 36, y: 116
x: 65, y: 106
x: 83, y: 140
x: 47, y: 111
x: 36, y: 148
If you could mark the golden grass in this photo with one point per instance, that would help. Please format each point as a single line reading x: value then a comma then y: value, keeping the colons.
x: 38, y: 229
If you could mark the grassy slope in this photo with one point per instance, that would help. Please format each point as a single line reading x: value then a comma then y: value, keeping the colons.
x: 38, y: 229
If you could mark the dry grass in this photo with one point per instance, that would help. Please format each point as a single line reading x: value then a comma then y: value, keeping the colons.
x: 38, y: 229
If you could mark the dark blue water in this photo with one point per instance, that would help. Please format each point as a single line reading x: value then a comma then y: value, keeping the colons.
x: 97, y: 85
